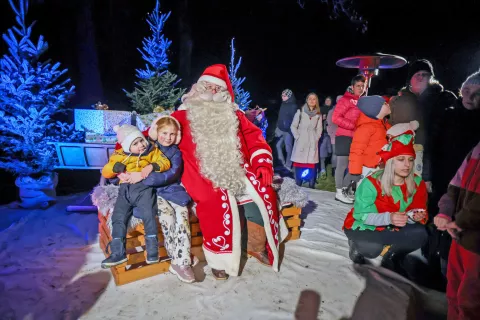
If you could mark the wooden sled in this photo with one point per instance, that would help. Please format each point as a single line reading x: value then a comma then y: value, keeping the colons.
x: 136, y: 268
x: 293, y: 221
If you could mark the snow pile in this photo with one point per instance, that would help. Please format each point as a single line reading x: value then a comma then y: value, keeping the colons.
x: 51, y: 270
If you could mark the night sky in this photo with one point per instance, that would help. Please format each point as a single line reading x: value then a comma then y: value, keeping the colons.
x: 282, y: 44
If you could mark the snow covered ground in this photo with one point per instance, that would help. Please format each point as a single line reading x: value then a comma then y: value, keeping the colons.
x: 50, y: 269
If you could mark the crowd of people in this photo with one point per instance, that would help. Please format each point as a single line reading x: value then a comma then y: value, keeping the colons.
x: 394, y: 159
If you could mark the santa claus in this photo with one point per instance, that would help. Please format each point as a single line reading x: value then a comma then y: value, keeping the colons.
x: 228, y: 173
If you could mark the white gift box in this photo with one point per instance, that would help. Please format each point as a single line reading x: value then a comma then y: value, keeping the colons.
x: 100, y: 121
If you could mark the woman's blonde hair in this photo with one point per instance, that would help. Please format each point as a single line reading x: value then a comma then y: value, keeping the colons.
x: 317, y: 105
x: 166, y: 121
x: 387, y: 179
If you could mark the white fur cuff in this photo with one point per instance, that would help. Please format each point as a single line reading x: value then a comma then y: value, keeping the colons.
x: 260, y: 152
x: 214, y: 80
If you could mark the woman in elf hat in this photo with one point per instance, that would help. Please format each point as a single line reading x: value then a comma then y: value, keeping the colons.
x: 390, y: 208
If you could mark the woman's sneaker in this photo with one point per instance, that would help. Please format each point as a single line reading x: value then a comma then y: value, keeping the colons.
x: 183, y: 273
x: 323, y: 175
x: 118, y: 254
x: 342, y: 196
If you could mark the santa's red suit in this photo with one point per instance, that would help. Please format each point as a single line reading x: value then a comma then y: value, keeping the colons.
x: 217, y: 208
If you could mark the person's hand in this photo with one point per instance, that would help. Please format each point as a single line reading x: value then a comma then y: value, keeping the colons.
x: 265, y: 176
x: 398, y: 219
x: 428, y: 184
x: 124, y: 176
x: 453, y: 229
x: 146, y: 171
x: 135, y: 177
x: 441, y: 223
x: 419, y: 215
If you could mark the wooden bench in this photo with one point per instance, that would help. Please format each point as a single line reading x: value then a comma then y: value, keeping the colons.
x: 136, y: 268
x: 293, y: 221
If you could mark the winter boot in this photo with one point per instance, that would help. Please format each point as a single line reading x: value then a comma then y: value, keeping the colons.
x: 256, y: 242
x: 394, y: 261
x: 219, y: 274
x: 354, y: 255
x: 151, y: 245
x: 341, y: 196
x: 117, y: 255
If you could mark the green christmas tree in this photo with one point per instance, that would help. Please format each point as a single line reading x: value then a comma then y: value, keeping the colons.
x: 156, y: 88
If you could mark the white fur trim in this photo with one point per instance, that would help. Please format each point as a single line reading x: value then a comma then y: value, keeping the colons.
x: 230, y: 262
x: 214, y: 80
x: 266, y: 222
x: 127, y: 142
x: 259, y: 152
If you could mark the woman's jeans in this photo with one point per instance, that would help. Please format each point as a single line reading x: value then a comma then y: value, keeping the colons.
x: 285, y: 138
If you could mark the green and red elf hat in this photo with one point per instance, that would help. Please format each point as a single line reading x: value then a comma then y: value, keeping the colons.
x: 401, y: 141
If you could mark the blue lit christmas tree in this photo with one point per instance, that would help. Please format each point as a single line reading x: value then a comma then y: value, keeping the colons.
x: 242, y: 97
x: 156, y: 87
x: 31, y: 92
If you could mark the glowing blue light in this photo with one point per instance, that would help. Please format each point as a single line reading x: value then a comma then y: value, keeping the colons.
x: 305, y: 173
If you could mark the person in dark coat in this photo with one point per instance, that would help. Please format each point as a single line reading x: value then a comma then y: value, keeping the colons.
x: 459, y: 135
x: 426, y: 101
x: 325, y: 144
x: 288, y: 109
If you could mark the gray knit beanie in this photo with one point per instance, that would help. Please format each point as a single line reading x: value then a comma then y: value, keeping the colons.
x: 473, y: 79
x: 371, y: 105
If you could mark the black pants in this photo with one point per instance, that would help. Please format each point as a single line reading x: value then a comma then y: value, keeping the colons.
x: 370, y: 243
x: 130, y: 196
x: 310, y: 177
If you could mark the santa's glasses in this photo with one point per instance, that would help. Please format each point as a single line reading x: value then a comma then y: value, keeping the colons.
x: 213, y: 87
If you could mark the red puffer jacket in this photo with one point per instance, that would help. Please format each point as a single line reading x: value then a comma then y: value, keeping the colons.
x: 346, y: 114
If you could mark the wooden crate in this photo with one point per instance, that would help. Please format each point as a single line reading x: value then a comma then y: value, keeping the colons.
x: 293, y: 221
x: 136, y: 268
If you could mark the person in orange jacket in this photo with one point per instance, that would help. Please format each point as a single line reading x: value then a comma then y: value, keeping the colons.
x: 370, y: 135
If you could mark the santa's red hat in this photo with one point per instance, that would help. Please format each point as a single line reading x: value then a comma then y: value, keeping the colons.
x: 218, y: 74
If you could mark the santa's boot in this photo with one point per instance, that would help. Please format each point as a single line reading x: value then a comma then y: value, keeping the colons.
x: 219, y: 274
x: 256, y: 243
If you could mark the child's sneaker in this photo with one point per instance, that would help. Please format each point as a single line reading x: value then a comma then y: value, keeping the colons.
x: 151, y: 245
x: 183, y: 273
x: 118, y: 254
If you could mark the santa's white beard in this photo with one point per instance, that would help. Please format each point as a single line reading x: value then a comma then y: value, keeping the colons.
x: 214, y: 127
